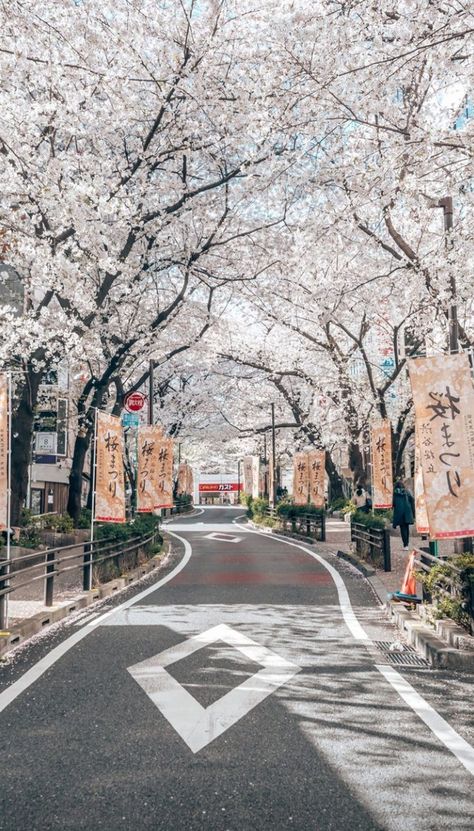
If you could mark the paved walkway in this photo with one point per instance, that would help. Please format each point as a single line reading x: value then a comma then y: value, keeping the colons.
x: 338, y: 538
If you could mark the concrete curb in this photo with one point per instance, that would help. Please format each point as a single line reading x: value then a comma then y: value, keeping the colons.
x: 436, y: 651
x: 37, y: 623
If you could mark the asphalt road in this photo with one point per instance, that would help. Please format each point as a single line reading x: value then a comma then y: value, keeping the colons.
x: 243, y: 691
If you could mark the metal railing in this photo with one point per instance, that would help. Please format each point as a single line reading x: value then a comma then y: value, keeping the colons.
x: 445, y: 584
x: 372, y: 545
x: 47, y: 565
x: 311, y: 526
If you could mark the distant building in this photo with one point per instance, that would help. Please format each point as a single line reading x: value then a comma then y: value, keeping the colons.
x: 216, y: 488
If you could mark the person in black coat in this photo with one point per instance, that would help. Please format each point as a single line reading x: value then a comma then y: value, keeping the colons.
x: 403, y: 511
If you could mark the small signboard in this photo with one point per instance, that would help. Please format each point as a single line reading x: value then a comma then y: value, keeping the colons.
x: 130, y: 419
x: 134, y: 402
x: 46, y: 443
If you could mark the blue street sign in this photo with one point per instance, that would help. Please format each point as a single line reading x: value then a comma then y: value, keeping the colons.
x: 130, y: 419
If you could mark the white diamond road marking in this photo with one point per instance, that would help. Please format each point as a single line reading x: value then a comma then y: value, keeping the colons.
x: 222, y: 537
x: 197, y: 725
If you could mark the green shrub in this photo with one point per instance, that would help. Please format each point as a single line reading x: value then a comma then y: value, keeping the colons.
x: 338, y: 504
x: 144, y: 524
x: 384, y: 513
x: 29, y: 537
x: 61, y: 523
x: 26, y: 517
x: 113, y: 531
x: 290, y: 511
x: 368, y: 520
x: 85, y: 518
x: 260, y: 507
x: 455, y: 575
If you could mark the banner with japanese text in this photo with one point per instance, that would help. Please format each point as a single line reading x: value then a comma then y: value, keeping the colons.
x: 381, y: 452
x: 255, y: 476
x: 248, y: 473
x: 421, y: 517
x: 317, y: 464
x: 301, y: 478
x: 164, y: 473
x: 4, y: 523
x: 150, y: 438
x: 443, y: 395
x: 109, y: 476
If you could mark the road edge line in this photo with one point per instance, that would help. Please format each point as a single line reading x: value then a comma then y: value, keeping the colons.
x: 35, y: 672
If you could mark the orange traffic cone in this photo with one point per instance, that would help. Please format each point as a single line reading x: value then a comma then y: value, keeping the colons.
x: 409, y: 580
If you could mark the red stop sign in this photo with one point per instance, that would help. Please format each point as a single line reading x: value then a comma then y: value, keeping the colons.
x: 134, y: 401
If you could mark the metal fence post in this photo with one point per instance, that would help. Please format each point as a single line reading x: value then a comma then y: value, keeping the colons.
x: 87, y: 567
x: 387, y: 561
x: 49, y: 581
x: 3, y: 597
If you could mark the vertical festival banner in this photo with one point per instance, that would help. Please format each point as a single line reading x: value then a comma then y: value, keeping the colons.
x: 255, y: 476
x: 4, y: 462
x: 382, y: 476
x: 443, y: 395
x: 164, y: 474
x: 316, y: 463
x: 248, y: 468
x: 109, y: 475
x: 301, y: 478
x: 149, y: 438
x: 422, y: 525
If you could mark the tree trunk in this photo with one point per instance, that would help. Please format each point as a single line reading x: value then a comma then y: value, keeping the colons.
x: 357, y: 466
x: 335, y: 480
x: 81, y: 447
x: 22, y: 434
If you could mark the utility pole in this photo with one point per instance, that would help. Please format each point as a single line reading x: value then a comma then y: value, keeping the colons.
x: 274, y: 479
x: 453, y: 329
x: 265, y: 464
x: 238, y: 481
x: 151, y: 391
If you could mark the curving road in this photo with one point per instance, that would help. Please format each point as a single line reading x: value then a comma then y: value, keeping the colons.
x: 244, y: 690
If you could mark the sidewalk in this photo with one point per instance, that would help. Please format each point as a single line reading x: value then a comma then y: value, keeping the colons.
x: 338, y: 538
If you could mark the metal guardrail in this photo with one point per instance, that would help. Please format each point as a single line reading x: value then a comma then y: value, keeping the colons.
x: 53, y: 562
x: 46, y: 564
x: 445, y: 585
x: 312, y: 526
x: 372, y: 544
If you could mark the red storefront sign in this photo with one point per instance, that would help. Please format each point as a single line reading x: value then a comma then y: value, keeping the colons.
x: 220, y: 487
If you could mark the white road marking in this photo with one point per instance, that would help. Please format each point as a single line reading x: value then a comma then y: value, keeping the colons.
x: 444, y: 732
x: 350, y: 619
x: 436, y: 723
x: 197, y: 725
x: 220, y: 537
x: 36, y: 671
